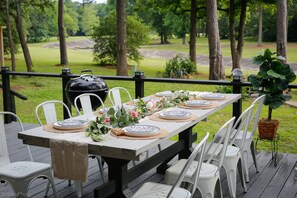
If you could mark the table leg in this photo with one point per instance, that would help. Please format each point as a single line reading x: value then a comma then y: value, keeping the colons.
x: 189, y: 138
x: 117, y: 180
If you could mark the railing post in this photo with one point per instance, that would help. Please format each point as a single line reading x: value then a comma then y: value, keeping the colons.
x: 65, y: 79
x: 237, y: 89
x: 139, y: 84
x: 7, y: 103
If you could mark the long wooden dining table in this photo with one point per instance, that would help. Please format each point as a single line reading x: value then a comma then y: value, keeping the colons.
x: 117, y: 152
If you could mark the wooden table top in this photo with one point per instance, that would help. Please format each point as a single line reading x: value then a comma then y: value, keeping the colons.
x: 122, y: 148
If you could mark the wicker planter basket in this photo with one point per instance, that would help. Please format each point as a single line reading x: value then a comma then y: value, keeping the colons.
x: 267, y: 129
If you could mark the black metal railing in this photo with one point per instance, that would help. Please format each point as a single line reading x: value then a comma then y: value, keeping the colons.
x: 139, y: 80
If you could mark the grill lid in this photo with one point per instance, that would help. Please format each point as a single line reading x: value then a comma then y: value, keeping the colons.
x: 86, y: 82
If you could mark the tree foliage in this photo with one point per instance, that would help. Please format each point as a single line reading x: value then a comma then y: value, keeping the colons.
x: 104, y: 36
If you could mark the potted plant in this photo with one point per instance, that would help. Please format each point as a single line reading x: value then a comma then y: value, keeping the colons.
x: 272, y: 79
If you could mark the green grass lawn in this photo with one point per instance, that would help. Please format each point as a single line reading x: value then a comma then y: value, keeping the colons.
x: 46, y: 60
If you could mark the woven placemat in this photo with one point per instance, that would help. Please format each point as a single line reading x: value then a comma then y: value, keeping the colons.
x: 156, y: 117
x: 50, y: 128
x: 197, y: 108
x: 163, y: 133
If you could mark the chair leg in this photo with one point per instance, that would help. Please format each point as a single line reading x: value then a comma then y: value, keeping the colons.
x: 21, y: 189
x: 47, y: 188
x: 208, y: 187
x: 51, y: 181
x: 241, y: 173
x: 78, y: 187
x: 253, y: 149
x: 99, y: 160
x: 244, y: 160
x: 230, y: 165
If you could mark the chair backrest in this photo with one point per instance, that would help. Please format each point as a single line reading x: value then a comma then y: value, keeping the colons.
x: 4, y: 155
x: 216, y: 150
x: 49, y: 111
x: 86, y: 103
x: 114, y: 96
x: 198, y: 154
x: 241, y: 125
x: 258, y: 104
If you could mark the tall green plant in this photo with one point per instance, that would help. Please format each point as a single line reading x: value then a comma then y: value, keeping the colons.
x: 272, y: 79
x: 104, y: 35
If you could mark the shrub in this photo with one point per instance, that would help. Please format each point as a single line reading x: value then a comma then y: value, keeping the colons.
x: 179, y: 67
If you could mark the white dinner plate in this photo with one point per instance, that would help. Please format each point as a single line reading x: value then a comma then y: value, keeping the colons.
x: 70, y: 124
x: 198, y: 103
x: 213, y: 96
x: 175, y: 114
x: 164, y: 93
x: 141, y: 130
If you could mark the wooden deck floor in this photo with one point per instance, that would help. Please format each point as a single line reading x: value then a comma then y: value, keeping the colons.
x: 270, y: 182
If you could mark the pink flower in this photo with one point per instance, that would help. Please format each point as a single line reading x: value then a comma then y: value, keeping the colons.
x: 134, y: 114
x: 107, y: 120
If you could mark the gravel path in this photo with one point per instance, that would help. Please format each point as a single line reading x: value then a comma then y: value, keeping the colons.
x: 87, y: 44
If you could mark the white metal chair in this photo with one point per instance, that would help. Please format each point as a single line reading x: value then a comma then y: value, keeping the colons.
x: 114, y: 96
x: 86, y: 103
x: 209, y: 177
x: 249, y: 138
x: 22, y: 173
x: 50, y: 114
x: 233, y: 159
x: 150, y: 189
x: 49, y: 110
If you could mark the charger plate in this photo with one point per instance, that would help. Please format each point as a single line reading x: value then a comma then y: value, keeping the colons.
x: 213, y: 96
x: 50, y: 128
x: 198, y: 103
x: 197, y: 108
x: 162, y: 133
x: 70, y: 124
x: 164, y: 93
x: 156, y: 117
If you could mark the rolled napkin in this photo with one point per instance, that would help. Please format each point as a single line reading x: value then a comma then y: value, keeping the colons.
x: 69, y: 159
x: 117, y: 131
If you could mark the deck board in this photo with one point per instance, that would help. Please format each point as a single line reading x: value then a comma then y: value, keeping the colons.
x: 270, y: 182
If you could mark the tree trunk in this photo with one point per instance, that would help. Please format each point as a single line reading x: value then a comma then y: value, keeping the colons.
x: 122, y: 67
x: 260, y: 26
x: 216, y: 70
x: 166, y: 38
x: 10, y: 40
x: 162, y: 38
x: 184, y: 39
x: 232, y: 32
x: 19, y: 27
x: 240, y: 34
x: 281, y: 34
x: 237, y: 52
x: 62, y: 37
x: 193, y: 31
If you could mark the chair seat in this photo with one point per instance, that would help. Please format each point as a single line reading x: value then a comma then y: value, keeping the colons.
x: 240, y: 135
x: 231, y: 151
x: 23, y: 169
x: 151, y: 190
x: 207, y: 170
